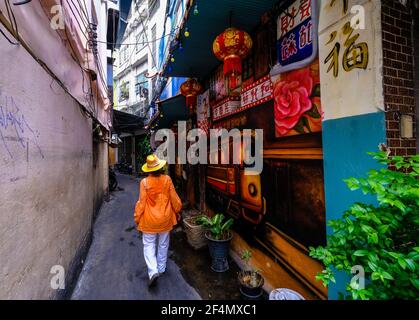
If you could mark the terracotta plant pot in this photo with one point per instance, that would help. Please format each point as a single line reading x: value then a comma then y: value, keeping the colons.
x: 219, y: 251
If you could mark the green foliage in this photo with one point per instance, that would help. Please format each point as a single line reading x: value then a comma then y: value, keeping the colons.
x: 215, y: 225
x: 144, y: 148
x: 246, y: 255
x: 252, y: 277
x: 383, y: 239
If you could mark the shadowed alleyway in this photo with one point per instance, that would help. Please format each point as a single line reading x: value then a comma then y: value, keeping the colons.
x: 115, y: 266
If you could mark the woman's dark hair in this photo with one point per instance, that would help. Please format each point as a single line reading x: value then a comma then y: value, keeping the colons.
x: 158, y: 172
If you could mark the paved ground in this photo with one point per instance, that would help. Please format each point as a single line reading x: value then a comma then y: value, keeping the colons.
x: 115, y: 266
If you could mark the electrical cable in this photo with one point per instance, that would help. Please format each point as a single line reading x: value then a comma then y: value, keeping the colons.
x: 8, y: 39
x: 12, y: 19
x: 79, y: 12
x: 78, y: 63
x: 19, y: 3
x: 77, y: 20
x: 148, y: 44
x: 137, y: 43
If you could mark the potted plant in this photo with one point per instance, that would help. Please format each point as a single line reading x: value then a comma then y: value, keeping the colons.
x: 195, y: 231
x: 251, y: 281
x: 219, y: 236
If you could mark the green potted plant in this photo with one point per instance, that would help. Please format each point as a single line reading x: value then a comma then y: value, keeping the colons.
x: 219, y: 236
x: 251, y: 281
x: 382, y: 239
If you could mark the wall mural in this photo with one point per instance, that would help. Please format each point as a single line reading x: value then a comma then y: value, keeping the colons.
x: 281, y: 210
x: 297, y: 101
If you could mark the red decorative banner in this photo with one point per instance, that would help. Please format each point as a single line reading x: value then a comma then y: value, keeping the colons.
x: 256, y: 93
x: 225, y: 108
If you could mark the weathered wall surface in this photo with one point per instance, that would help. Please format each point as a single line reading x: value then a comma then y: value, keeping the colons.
x: 46, y: 179
x: 100, y: 173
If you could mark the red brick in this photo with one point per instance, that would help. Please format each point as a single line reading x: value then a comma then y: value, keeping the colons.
x: 409, y: 101
x: 411, y: 152
x: 393, y: 143
x: 408, y: 143
x: 393, y: 125
x: 401, y: 152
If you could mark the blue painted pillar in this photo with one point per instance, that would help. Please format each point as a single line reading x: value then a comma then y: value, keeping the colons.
x: 346, y: 142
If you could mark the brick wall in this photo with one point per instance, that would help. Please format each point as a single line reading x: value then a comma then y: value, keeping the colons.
x: 399, y: 84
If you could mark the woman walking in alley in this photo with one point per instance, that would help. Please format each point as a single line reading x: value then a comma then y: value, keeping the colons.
x: 156, y: 212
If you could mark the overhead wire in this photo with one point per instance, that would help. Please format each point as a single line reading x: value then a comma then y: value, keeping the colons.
x: 89, y: 94
x: 12, y: 19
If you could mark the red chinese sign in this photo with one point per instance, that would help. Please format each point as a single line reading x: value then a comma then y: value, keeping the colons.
x: 256, y: 93
x: 225, y: 108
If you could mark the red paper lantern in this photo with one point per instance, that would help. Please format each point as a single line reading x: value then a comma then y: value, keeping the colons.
x: 230, y: 47
x: 190, y: 89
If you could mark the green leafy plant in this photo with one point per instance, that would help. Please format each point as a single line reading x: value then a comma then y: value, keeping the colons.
x: 381, y: 238
x: 144, y: 148
x: 250, y: 277
x: 218, y: 230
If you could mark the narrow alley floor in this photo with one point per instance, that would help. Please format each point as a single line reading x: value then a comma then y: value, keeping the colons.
x: 115, y: 267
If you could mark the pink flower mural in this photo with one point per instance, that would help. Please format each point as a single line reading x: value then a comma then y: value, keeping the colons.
x: 297, y: 102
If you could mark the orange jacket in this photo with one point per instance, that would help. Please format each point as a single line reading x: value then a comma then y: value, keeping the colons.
x: 158, y: 205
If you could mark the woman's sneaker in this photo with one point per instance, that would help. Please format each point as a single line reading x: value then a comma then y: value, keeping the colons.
x: 153, y: 280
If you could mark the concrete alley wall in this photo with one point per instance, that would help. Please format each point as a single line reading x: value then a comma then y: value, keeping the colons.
x: 46, y: 179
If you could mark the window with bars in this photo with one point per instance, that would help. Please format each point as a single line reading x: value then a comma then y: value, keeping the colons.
x: 124, y: 91
x: 141, y: 85
x: 140, y: 41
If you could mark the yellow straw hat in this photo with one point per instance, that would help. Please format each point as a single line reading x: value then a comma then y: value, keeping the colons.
x: 153, y: 163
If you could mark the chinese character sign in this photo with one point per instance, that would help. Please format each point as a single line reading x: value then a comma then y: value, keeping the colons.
x: 256, y: 93
x: 350, y: 59
x: 297, y: 36
x: 225, y: 108
x: 297, y: 105
x: 355, y: 54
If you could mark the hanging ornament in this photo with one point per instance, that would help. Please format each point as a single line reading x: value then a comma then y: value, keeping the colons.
x: 230, y: 47
x: 186, y: 33
x: 180, y: 47
x: 172, y: 58
x: 190, y: 89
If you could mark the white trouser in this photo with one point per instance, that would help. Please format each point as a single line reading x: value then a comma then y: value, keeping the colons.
x: 156, y: 256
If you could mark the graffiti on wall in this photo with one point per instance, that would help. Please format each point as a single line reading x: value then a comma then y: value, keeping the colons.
x: 14, y: 128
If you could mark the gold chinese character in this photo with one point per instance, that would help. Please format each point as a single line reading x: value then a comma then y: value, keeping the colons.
x: 333, y: 55
x: 355, y: 55
x: 344, y: 3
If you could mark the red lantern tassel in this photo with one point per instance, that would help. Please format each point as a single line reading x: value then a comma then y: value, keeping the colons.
x: 190, y: 101
x: 232, y: 64
x: 232, y: 81
x: 232, y: 69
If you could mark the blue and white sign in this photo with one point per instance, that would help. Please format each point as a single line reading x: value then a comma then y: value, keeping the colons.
x: 297, y: 36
